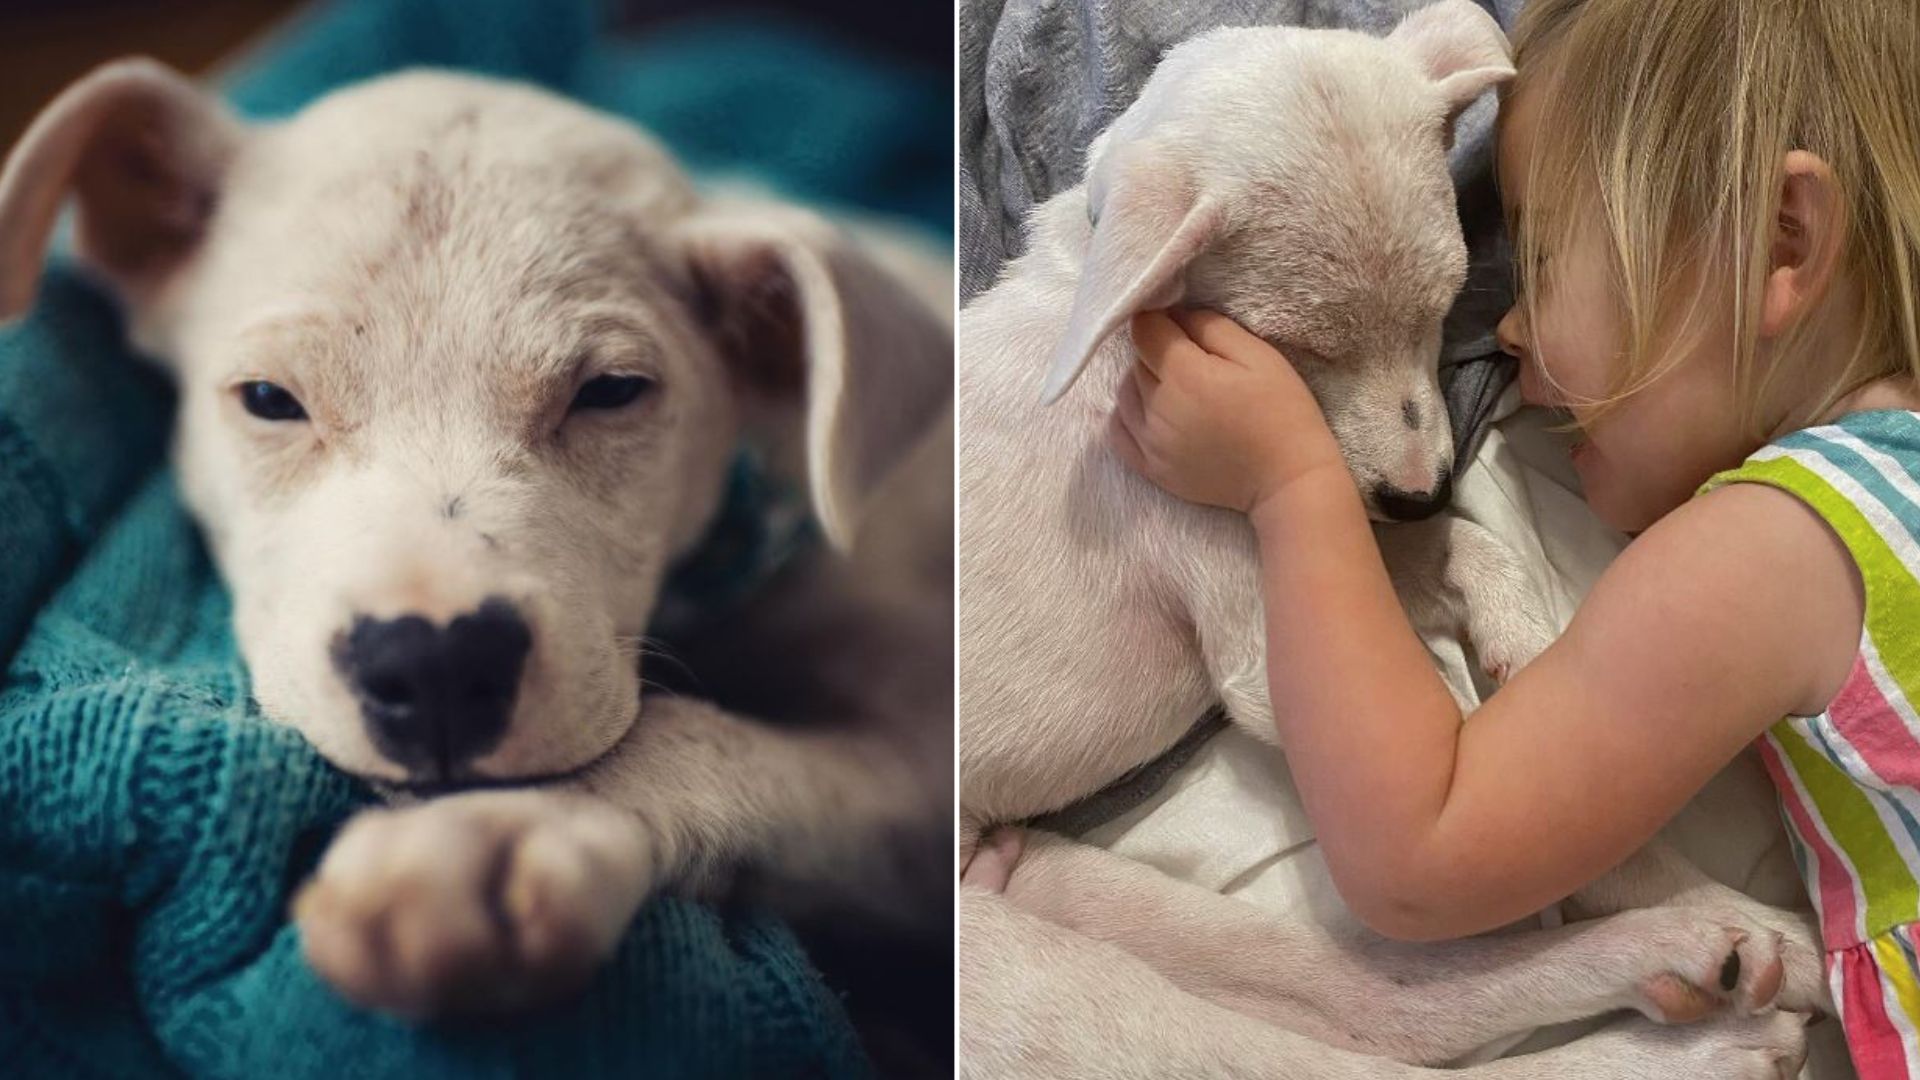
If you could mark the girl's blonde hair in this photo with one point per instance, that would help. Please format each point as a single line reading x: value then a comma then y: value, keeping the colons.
x: 1674, y: 117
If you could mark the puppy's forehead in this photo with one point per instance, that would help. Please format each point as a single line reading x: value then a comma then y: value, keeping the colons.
x: 1264, y: 89
x: 1330, y: 147
x: 427, y: 159
x: 482, y: 120
x: 442, y: 221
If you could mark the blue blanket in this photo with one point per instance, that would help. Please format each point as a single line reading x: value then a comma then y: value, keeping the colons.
x: 152, y: 824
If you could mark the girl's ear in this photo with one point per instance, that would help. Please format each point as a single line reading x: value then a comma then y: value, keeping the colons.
x: 1808, y: 233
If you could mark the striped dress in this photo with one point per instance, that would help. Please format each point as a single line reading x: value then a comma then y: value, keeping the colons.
x: 1849, y: 779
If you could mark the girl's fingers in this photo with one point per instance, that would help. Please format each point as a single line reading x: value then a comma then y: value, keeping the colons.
x: 1130, y: 404
x: 1128, y: 412
x: 1126, y: 446
x: 1160, y: 341
x: 1222, y: 336
x: 1143, y: 382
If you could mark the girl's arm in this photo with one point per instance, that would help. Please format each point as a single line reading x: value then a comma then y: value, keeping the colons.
x: 1736, y: 609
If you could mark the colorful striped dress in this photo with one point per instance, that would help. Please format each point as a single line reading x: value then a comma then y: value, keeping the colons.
x: 1849, y: 778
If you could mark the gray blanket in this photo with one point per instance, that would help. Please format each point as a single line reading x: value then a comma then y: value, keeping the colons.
x: 1040, y: 78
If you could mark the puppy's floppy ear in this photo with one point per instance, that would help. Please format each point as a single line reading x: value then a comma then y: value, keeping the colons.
x: 143, y: 150
x: 808, y: 319
x: 1150, y: 221
x: 1461, y: 48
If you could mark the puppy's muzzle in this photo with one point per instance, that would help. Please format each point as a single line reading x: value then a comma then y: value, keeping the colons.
x: 434, y: 698
x: 1400, y: 505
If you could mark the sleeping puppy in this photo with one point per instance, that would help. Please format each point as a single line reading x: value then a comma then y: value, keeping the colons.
x: 465, y: 371
x: 1297, y: 181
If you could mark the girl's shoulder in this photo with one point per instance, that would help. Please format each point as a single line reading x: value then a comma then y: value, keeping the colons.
x: 1859, y: 475
x: 1860, y: 472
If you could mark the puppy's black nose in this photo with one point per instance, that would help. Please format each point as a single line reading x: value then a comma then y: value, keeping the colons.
x: 436, y: 697
x: 1414, y: 505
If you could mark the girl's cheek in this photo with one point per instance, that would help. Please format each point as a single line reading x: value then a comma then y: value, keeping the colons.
x: 1530, y: 383
x: 1536, y: 387
x: 1563, y: 374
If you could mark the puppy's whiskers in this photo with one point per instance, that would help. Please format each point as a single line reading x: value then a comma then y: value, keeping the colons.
x: 638, y: 647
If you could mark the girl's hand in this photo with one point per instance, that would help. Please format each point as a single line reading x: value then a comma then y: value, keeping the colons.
x: 1217, y: 416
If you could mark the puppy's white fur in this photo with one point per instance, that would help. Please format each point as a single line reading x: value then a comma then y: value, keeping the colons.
x: 1297, y: 181
x: 433, y: 264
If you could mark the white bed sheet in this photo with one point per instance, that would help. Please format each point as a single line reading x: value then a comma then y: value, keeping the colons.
x: 1230, y: 819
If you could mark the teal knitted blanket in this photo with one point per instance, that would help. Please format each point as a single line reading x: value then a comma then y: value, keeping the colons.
x: 153, y: 825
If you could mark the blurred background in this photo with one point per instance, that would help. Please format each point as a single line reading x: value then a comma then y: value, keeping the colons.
x: 46, y: 44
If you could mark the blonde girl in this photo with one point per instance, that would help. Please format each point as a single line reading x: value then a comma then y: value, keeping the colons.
x: 1716, y: 209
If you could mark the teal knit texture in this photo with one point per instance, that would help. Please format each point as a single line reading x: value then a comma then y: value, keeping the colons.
x: 153, y: 825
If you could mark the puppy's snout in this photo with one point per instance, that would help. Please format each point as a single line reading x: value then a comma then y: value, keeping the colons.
x: 436, y: 697
x: 1414, y: 505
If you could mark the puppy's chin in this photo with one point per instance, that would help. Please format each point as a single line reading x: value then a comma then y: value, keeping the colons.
x: 585, y: 743
x: 566, y: 722
x: 419, y: 788
x: 345, y: 745
x: 390, y: 778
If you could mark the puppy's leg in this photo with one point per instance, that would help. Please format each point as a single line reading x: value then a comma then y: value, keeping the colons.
x: 1659, y: 877
x: 1771, y: 1046
x: 1415, y: 554
x: 1655, y: 876
x: 714, y: 793
x: 1426, y: 1003
x: 1450, y: 575
x: 496, y: 899
x: 1505, y: 617
x: 1039, y: 1001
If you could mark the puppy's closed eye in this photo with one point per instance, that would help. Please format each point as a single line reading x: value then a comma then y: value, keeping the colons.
x: 607, y: 392
x: 271, y: 401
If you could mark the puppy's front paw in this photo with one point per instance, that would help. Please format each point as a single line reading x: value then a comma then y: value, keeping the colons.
x: 1702, y: 958
x: 474, y: 902
x: 1510, y: 640
x: 1803, y: 986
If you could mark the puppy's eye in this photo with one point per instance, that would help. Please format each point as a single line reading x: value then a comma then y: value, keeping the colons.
x: 270, y: 402
x: 611, y: 392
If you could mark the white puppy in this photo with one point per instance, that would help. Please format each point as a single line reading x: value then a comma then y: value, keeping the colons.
x: 463, y: 368
x: 1297, y: 181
